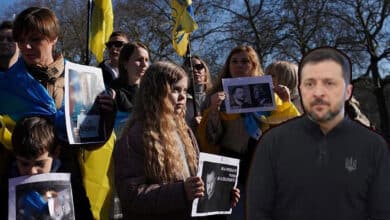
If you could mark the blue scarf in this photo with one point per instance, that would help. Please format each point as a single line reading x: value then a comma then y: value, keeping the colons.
x: 251, y: 120
x: 23, y: 96
x: 253, y: 124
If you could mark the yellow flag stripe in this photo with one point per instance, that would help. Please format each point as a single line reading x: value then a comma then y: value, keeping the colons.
x: 102, y: 24
x: 184, y: 24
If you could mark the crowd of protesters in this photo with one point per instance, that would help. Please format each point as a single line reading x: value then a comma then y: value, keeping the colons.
x: 160, y: 116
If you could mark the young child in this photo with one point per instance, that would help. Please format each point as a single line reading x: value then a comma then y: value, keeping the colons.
x: 36, y: 151
x: 286, y: 73
x: 35, y: 147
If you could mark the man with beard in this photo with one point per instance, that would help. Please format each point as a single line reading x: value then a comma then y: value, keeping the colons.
x: 322, y: 165
x: 9, y: 51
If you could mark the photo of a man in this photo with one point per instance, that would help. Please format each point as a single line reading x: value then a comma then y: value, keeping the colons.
x: 239, y: 98
x: 219, y: 175
x: 248, y: 94
x: 217, y: 195
x: 261, y: 95
x: 211, y: 180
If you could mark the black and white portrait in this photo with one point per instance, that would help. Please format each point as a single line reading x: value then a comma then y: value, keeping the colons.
x: 239, y: 97
x: 219, y: 178
x: 249, y: 94
x: 261, y: 94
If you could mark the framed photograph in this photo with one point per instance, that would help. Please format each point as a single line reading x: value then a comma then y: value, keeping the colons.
x: 82, y: 86
x: 41, y: 196
x: 220, y: 175
x: 249, y: 94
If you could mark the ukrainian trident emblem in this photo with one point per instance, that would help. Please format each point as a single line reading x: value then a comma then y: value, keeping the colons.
x: 350, y: 164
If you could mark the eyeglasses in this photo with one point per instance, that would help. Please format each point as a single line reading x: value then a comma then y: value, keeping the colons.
x: 198, y: 66
x: 117, y: 44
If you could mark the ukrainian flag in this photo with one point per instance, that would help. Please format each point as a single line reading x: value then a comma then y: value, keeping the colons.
x: 102, y: 24
x: 22, y: 96
x: 184, y: 24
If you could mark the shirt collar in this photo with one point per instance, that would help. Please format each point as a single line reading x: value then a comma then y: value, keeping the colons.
x: 311, y: 126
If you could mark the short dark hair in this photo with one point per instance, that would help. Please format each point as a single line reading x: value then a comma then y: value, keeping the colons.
x: 119, y: 34
x: 33, y: 136
x: 328, y: 53
x: 6, y: 25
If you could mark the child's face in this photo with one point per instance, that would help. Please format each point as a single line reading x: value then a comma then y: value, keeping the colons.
x: 178, y: 95
x: 41, y: 164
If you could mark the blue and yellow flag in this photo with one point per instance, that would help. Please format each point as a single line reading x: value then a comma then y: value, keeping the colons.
x: 184, y: 24
x: 102, y: 24
x: 22, y: 96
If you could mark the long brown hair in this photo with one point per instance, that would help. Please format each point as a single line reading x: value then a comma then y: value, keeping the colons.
x: 257, y: 69
x: 160, y: 124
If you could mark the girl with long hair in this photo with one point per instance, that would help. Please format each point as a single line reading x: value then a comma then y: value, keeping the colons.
x: 157, y: 155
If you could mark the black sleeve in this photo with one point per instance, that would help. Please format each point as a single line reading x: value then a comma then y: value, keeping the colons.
x: 379, y: 192
x: 261, y: 185
x: 70, y: 164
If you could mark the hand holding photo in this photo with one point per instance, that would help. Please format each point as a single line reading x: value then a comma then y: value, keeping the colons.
x: 219, y: 175
x: 83, y: 84
x: 248, y: 94
x: 41, y: 196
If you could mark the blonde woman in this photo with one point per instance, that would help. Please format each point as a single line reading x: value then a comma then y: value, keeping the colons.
x: 200, y: 84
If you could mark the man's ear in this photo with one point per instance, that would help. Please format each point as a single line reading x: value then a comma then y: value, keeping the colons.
x: 348, y: 91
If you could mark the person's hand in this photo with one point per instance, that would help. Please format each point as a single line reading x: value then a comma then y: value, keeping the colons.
x: 216, y: 99
x: 283, y: 92
x: 235, y: 197
x: 107, y: 102
x: 193, y: 187
x: 107, y: 107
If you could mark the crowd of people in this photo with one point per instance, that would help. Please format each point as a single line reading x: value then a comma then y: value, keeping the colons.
x: 305, y: 159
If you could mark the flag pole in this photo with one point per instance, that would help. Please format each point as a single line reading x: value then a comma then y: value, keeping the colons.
x: 89, y: 12
x: 192, y: 91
